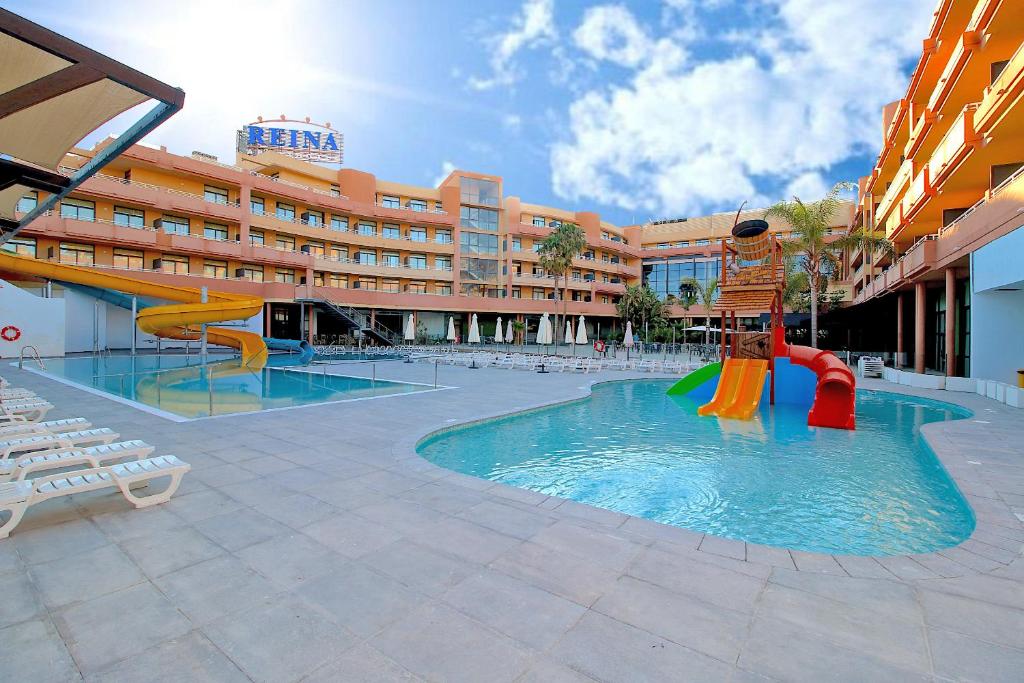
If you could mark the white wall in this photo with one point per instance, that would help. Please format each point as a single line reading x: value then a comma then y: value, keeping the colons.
x: 997, y: 309
x: 41, y: 321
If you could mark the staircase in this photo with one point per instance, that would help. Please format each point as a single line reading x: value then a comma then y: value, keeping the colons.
x: 357, y: 319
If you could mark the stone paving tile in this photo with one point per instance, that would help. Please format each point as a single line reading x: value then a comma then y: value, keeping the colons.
x: 351, y: 535
x: 419, y: 567
x: 291, y: 560
x: 189, y: 658
x: 707, y: 582
x: 222, y: 475
x: 606, y: 547
x: 209, y: 590
x: 19, y: 601
x: 959, y: 657
x: 563, y: 574
x: 439, y: 643
x: 202, y: 505
x: 465, y: 540
x: 80, y: 577
x: 280, y: 641
x: 508, y: 519
x: 255, y: 491
x: 132, y: 523
x: 543, y: 670
x: 362, y: 664
x: 981, y: 620
x: 770, y: 556
x: 47, y: 543
x: 407, y: 518
x: 886, y: 597
x: 167, y: 551
x: 34, y: 651
x: 241, y: 528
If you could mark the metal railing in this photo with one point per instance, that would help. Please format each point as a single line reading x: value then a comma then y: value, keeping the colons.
x: 34, y: 356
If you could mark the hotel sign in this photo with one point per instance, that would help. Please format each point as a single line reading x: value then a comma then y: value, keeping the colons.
x: 298, y: 139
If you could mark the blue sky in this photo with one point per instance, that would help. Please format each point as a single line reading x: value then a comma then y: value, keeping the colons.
x: 637, y: 110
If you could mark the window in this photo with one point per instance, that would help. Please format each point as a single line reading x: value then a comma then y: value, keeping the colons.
x: 337, y: 280
x: 252, y: 273
x: 335, y: 191
x: 367, y: 283
x: 478, y: 269
x: 588, y: 256
x: 314, y: 218
x: 482, y: 219
x: 702, y: 243
x: 128, y: 258
x: 554, y: 223
x: 78, y: 209
x: 24, y: 246
x: 285, y: 243
x: 285, y: 275
x: 174, y: 225
x: 475, y: 243
x: 28, y: 202
x: 256, y: 237
x: 285, y: 212
x: 442, y: 263
x: 213, y: 231
x: 368, y: 258
x: 417, y: 288
x: 443, y: 237
x: 133, y: 218
x: 517, y: 244
x: 339, y: 253
x: 257, y: 206
x: 318, y: 279
x: 215, y: 268
x: 392, y: 286
x: 418, y: 261
x: 390, y: 202
x: 535, y: 248
x: 418, y: 234
x: 215, y: 194
x: 417, y: 205
x: 478, y: 191
x: 517, y: 292
x: 315, y: 248
x: 391, y: 259
x: 539, y: 293
x: 996, y: 70
x: 77, y: 254
x: 339, y: 223
x: 604, y: 257
x: 539, y: 221
x: 174, y: 264
x: 604, y: 299
x: 391, y: 231
x: 367, y: 228
x: 1002, y: 172
x: 444, y: 289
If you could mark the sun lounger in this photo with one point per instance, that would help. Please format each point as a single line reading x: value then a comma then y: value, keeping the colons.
x: 16, y: 469
x: 23, y: 411
x: 38, y: 442
x: 17, y: 496
x: 19, y: 429
x: 14, y: 394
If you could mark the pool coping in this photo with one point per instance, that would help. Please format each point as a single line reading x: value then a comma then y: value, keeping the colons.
x: 976, y: 554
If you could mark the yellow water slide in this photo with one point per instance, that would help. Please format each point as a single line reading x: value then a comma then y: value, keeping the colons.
x: 739, y: 389
x: 173, y: 321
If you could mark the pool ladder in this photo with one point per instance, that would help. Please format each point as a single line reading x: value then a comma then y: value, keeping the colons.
x: 34, y: 356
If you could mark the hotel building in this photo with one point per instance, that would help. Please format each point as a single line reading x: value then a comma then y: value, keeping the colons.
x: 947, y: 190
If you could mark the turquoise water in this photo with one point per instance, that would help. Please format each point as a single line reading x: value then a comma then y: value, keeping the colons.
x: 183, y: 386
x: 773, y: 480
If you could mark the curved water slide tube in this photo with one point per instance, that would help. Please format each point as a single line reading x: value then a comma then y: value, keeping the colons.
x: 171, y: 321
x: 739, y: 389
x: 835, y: 403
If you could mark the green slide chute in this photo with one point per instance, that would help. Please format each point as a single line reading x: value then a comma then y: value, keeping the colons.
x: 695, y: 379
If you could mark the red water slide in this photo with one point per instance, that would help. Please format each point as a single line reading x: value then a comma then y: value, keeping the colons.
x: 834, y: 398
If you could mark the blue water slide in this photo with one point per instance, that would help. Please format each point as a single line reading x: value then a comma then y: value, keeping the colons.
x: 299, y: 346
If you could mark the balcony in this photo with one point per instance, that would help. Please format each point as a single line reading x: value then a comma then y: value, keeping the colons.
x: 919, y: 132
x: 899, y: 182
x: 992, y: 217
x: 403, y: 270
x: 965, y: 46
x: 919, y: 258
x: 917, y: 193
x: 1001, y: 95
x: 983, y: 13
x: 958, y: 142
x: 164, y: 198
x: 892, y: 224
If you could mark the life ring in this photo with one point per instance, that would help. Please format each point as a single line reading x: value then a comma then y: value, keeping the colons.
x: 10, y: 333
x: 599, y: 346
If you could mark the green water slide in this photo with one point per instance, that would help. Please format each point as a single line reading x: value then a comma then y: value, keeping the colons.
x: 695, y: 379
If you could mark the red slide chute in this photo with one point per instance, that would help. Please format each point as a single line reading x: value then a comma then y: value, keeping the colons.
x: 834, y: 398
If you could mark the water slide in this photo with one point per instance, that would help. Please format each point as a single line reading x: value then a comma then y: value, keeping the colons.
x: 835, y: 394
x: 739, y: 389
x: 171, y: 321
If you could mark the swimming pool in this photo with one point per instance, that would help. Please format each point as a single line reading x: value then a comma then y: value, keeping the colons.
x: 773, y: 480
x: 182, y: 386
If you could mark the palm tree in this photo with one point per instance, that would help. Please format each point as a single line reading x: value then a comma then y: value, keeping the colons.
x: 687, y: 298
x: 816, y: 256
x: 518, y: 327
x: 556, y: 254
x: 704, y: 294
x: 640, y: 305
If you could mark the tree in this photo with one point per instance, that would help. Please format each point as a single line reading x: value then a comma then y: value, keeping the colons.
x: 815, y: 256
x: 640, y: 305
x: 557, y: 251
x: 518, y: 327
x: 704, y: 294
x: 687, y: 298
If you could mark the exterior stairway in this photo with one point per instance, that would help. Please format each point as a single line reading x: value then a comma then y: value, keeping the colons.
x: 357, y: 319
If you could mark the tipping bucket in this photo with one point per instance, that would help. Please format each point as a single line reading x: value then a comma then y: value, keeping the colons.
x: 752, y: 240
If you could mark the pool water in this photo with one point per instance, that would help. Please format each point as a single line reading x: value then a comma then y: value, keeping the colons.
x: 772, y: 480
x: 183, y: 386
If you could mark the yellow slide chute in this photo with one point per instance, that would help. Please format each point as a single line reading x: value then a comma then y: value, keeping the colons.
x: 172, y: 321
x: 739, y: 389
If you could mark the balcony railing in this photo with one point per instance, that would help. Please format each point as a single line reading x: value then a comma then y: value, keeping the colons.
x: 954, y: 145
x: 402, y: 266
x: 440, y: 212
x: 1003, y: 91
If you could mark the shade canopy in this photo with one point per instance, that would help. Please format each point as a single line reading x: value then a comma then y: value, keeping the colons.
x: 410, y: 329
x: 451, y: 329
x: 474, y: 331
x: 627, y: 340
x: 53, y: 93
x: 498, y: 337
x: 509, y: 337
x: 544, y: 330
x: 581, y: 331
x: 567, y: 339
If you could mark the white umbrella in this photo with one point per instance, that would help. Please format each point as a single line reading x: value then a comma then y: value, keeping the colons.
x: 568, y: 332
x: 410, y: 330
x: 451, y: 328
x: 627, y: 340
x: 498, y: 339
x: 543, y: 330
x: 474, y: 331
x: 581, y: 331
x: 508, y: 332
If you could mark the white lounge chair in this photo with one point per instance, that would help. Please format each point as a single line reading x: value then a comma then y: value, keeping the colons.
x: 38, y: 442
x: 14, y: 394
x: 23, y: 411
x: 16, y: 469
x: 18, y: 429
x: 870, y: 366
x: 17, y: 496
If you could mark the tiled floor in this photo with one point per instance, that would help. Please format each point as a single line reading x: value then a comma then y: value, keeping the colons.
x: 314, y: 544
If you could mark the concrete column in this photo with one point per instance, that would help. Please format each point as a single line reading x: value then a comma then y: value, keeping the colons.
x: 244, y: 195
x: 919, y: 313
x: 312, y: 324
x: 950, y: 322
x: 899, y: 329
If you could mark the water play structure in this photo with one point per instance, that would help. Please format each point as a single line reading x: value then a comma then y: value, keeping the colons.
x: 760, y: 365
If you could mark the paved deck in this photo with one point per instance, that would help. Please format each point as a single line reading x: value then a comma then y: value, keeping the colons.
x: 314, y: 544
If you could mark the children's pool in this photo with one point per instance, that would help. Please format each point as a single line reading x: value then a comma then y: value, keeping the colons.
x: 183, y: 386
x: 773, y: 480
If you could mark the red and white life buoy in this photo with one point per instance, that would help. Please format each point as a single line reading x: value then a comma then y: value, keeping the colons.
x: 10, y: 333
x: 599, y: 346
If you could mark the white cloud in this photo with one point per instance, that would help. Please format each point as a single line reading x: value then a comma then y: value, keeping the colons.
x: 611, y: 32
x: 446, y: 168
x: 809, y: 187
x: 533, y: 27
x: 783, y: 105
x: 512, y: 122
